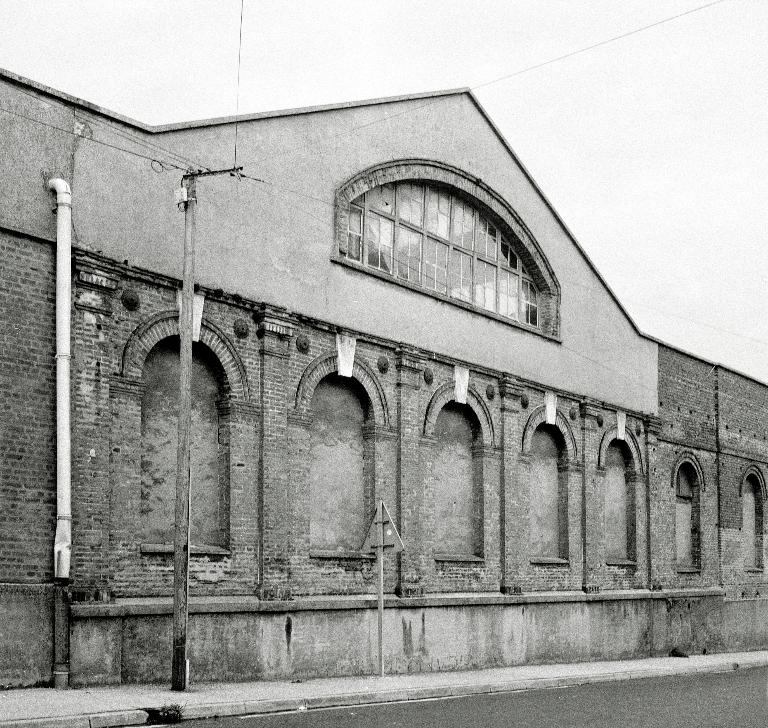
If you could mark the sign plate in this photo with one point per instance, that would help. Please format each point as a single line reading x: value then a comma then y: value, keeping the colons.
x: 382, y: 524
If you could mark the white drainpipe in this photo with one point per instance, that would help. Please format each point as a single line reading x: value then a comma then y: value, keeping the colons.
x: 62, y: 546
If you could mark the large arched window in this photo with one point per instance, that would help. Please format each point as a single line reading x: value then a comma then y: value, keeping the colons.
x: 548, y: 495
x: 457, y: 483
x: 619, y: 503
x: 432, y: 237
x: 209, y: 451
x: 687, y: 518
x: 340, y: 473
x: 752, y: 522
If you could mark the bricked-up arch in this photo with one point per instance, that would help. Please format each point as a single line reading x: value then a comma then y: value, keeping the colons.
x: 688, y: 485
x: 631, y: 443
x: 166, y: 324
x: 753, y: 470
x: 539, y: 417
x: 326, y: 364
x: 691, y: 460
x: 443, y: 395
x: 474, y: 190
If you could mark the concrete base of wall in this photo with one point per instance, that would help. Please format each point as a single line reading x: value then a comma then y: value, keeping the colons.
x: 243, y: 639
x: 26, y: 634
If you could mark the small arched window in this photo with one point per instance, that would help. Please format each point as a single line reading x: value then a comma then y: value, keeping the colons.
x: 548, y: 495
x: 457, y: 483
x: 432, y: 237
x: 340, y: 475
x: 619, y: 503
x: 209, y: 447
x: 752, y: 522
x: 687, y: 523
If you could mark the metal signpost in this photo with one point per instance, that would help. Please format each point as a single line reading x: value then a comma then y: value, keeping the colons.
x: 382, y: 534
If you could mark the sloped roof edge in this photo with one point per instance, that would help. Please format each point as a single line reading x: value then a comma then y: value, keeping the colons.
x: 216, y: 121
x: 19, y: 80
x: 554, y: 213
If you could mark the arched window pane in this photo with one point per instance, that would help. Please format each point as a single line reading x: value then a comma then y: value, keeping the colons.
x: 440, y: 241
x: 336, y: 479
x: 616, y: 505
x: 454, y: 482
x: 545, y: 495
x: 159, y: 433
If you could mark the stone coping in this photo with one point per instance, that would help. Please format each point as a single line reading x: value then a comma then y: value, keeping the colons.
x: 220, y: 605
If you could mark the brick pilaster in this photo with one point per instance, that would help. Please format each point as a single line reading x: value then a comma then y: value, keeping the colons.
x: 592, y: 428
x: 410, y: 491
x: 274, y: 330
x: 92, y: 362
x: 658, y: 568
x: 512, y: 492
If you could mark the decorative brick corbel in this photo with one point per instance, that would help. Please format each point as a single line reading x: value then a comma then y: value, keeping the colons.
x: 592, y: 415
x: 510, y: 392
x: 274, y: 329
x: 410, y: 365
x: 653, y: 425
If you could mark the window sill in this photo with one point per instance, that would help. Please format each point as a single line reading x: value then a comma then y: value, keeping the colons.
x: 549, y: 561
x: 194, y: 549
x: 753, y: 569
x: 626, y: 563
x: 330, y: 554
x: 467, y: 558
x: 688, y: 569
x: 340, y: 260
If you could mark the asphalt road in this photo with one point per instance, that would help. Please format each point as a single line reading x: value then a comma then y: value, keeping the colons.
x: 738, y: 699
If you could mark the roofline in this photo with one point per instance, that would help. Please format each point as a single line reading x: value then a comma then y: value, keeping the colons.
x: 216, y: 121
x: 704, y: 360
x: 19, y: 80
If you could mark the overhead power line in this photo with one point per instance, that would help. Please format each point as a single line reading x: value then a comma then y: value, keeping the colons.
x: 592, y: 47
x: 499, y: 79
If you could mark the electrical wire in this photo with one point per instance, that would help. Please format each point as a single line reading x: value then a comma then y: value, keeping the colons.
x: 237, y: 101
x: 592, y: 47
x: 164, y: 163
x: 431, y: 102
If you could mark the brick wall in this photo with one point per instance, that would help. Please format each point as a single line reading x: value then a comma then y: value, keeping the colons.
x: 717, y: 419
x: 272, y: 361
x: 27, y: 409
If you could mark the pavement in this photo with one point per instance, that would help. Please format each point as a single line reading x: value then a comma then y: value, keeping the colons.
x: 128, y: 705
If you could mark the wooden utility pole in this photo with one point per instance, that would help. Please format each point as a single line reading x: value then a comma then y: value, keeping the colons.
x: 180, y: 663
x: 180, y: 667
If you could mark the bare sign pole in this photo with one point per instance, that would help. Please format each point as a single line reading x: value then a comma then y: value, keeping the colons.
x: 382, y: 534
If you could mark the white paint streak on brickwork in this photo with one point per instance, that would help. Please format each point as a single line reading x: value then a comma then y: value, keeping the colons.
x: 461, y: 384
x: 621, y: 425
x: 345, y: 350
x: 550, y: 402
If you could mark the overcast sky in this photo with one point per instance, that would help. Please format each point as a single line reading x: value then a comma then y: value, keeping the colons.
x: 652, y: 148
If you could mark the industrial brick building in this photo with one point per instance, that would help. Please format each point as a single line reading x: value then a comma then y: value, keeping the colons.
x: 393, y: 311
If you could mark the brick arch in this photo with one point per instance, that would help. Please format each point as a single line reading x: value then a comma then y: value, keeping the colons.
x: 445, y: 394
x: 611, y: 436
x: 691, y: 459
x: 166, y: 324
x: 326, y: 364
x: 753, y: 469
x: 428, y: 170
x: 539, y: 417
